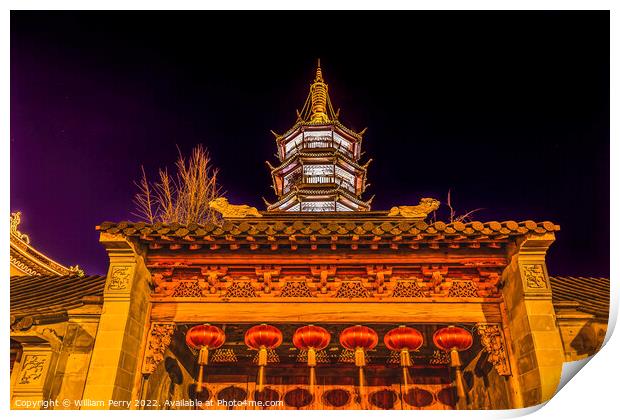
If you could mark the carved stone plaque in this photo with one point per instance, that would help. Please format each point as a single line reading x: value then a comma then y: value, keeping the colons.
x: 119, y: 278
x: 534, y: 276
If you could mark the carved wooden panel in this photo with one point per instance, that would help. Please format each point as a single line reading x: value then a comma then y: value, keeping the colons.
x: 159, y: 338
x: 187, y: 289
x: 492, y: 340
x: 463, y: 289
x: 407, y: 289
x: 241, y: 289
x: 373, y: 282
x: 352, y: 289
x: 295, y: 289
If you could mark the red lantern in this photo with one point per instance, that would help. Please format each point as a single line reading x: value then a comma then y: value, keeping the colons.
x: 203, y: 338
x: 359, y: 338
x: 262, y: 337
x: 454, y: 339
x: 311, y: 338
x: 404, y: 339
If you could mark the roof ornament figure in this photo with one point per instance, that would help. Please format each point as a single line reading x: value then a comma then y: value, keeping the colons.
x: 25, y: 259
x: 422, y: 210
x: 15, y: 221
x: 222, y: 206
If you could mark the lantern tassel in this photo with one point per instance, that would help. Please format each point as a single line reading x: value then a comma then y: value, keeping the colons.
x: 203, y: 359
x: 361, y: 378
x: 312, y: 364
x: 262, y: 362
x: 405, y: 358
x: 312, y: 378
x: 311, y: 357
x: 455, y: 361
x: 362, y: 382
x: 261, y: 378
x: 360, y: 359
x: 405, y: 362
x: 262, y: 356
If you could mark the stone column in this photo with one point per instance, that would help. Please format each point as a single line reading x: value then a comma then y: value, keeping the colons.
x: 536, y: 344
x: 114, y: 368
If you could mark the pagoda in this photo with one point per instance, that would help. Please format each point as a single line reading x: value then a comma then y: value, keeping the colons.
x: 319, y: 169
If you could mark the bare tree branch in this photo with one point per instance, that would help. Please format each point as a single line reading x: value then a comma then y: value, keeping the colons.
x: 142, y: 200
x: 461, y: 218
x: 183, y: 198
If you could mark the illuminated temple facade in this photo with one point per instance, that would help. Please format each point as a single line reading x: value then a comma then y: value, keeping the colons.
x: 492, y: 327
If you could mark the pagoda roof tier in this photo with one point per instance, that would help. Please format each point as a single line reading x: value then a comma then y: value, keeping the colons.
x: 336, y: 229
x: 335, y: 124
x: 312, y: 193
x: 332, y: 157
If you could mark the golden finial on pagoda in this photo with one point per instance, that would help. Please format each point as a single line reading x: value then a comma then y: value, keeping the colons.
x: 318, y: 97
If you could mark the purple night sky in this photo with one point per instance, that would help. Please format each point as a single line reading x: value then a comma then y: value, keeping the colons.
x: 510, y: 110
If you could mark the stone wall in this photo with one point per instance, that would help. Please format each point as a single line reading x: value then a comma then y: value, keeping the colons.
x: 114, y: 373
x: 537, y: 349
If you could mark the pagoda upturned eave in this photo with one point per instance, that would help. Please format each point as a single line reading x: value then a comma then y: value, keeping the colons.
x: 310, y: 192
x: 317, y: 155
x: 300, y: 125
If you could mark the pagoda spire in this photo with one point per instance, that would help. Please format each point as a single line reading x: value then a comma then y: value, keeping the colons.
x: 319, y: 169
x: 318, y: 97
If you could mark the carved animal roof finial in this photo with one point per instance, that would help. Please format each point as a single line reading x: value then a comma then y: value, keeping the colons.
x: 426, y: 206
x: 222, y: 206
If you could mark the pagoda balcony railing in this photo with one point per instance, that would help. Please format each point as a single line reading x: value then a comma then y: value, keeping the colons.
x: 328, y: 179
x: 320, y: 143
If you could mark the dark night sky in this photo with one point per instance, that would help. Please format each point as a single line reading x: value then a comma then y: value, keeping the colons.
x: 510, y: 110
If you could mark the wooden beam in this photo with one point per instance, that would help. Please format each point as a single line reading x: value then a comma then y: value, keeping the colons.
x: 332, y: 312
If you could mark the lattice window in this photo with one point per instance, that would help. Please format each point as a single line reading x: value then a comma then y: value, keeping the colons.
x: 407, y: 289
x: 463, y: 289
x: 348, y: 356
x: 352, y: 289
x: 318, y: 206
x: 241, y: 289
x: 393, y: 358
x: 295, y: 289
x: 440, y: 358
x: 292, y: 179
x: 224, y: 356
x: 272, y: 357
x: 324, y: 170
x: 187, y: 289
x: 344, y: 144
x: 292, y: 145
x: 321, y: 356
x: 346, y: 179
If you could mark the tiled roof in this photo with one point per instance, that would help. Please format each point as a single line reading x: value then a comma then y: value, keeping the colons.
x: 51, y: 296
x: 362, y: 225
x: 26, y: 259
x: 592, y: 293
